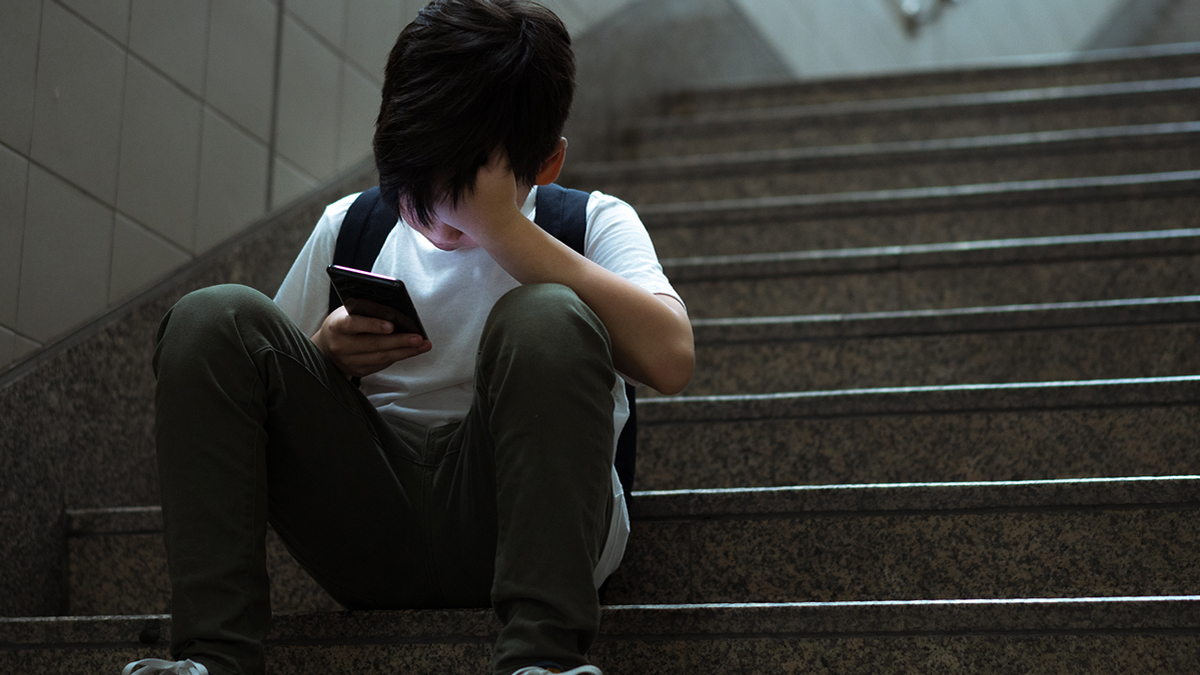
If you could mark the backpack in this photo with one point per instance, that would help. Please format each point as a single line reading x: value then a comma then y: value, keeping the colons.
x: 560, y: 212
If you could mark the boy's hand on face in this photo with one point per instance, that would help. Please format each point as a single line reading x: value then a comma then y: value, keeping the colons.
x: 493, y: 203
x: 362, y: 345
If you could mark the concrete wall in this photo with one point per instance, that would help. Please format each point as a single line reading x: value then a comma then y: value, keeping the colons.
x: 137, y: 134
x: 822, y: 38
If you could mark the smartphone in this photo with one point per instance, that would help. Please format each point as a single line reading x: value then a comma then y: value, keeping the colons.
x: 378, y: 296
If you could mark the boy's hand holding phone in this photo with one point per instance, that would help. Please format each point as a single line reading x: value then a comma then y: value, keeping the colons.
x: 384, y: 329
x: 363, y: 345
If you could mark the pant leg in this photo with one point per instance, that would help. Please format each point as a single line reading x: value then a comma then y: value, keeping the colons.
x: 253, y: 421
x: 535, y: 466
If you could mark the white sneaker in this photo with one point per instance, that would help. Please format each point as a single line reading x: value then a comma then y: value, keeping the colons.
x: 152, y: 666
x: 538, y: 670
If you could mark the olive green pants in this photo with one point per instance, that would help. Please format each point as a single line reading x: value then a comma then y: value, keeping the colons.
x: 509, y: 508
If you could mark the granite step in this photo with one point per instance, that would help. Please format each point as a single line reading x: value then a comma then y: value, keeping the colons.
x: 1043, y: 538
x: 914, y: 541
x: 1106, y: 151
x: 1036, y: 71
x: 980, y: 432
x: 1144, y: 337
x: 1077, y: 268
x: 1100, y: 635
x: 116, y: 564
x: 1089, y: 205
x: 918, y: 118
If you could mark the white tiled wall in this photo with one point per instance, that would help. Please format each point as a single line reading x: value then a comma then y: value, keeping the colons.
x: 138, y: 134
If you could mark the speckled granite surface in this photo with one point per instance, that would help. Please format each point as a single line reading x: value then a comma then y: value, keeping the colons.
x: 973, y: 284
x: 1104, y: 314
x: 1123, y: 429
x: 975, y: 357
x: 827, y: 557
x: 126, y: 573
x: 78, y: 429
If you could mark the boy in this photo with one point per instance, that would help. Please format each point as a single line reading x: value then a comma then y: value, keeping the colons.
x: 472, y: 468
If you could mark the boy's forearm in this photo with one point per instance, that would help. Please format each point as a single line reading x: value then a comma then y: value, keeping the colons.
x: 651, y: 335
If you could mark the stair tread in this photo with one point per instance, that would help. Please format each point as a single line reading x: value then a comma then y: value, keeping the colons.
x: 1139, y: 391
x: 842, y: 109
x: 1079, y: 67
x: 873, y: 201
x: 874, y: 153
x: 1120, y: 312
x: 946, y: 254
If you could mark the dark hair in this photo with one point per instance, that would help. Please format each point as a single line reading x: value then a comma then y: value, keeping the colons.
x: 465, y: 78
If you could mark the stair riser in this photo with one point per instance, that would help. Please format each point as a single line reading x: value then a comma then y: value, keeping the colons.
x: 728, y: 234
x: 751, y: 655
x: 940, y: 288
x: 961, y: 358
x: 884, y: 173
x: 897, y: 448
x: 872, y: 655
x: 935, y: 84
x: 698, y: 139
x: 127, y: 574
x: 860, y: 556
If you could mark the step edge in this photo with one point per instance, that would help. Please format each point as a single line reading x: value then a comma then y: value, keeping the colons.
x: 942, y: 103
x: 983, y: 319
x: 960, y: 616
x: 937, y: 399
x: 1019, y: 250
x: 756, y: 209
x: 1149, y: 54
x: 871, y: 499
x: 865, y: 499
x: 1125, y: 137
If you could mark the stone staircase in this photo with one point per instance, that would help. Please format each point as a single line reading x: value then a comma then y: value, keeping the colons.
x: 945, y: 410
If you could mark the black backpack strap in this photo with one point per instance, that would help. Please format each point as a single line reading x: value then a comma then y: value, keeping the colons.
x: 563, y: 213
x: 364, y: 229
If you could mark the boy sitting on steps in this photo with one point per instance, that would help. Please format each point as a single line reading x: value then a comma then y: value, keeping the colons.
x: 474, y: 468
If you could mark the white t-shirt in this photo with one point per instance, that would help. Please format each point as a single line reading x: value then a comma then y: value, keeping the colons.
x: 454, y: 291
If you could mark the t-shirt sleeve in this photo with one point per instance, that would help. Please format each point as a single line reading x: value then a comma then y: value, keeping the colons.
x: 304, y: 294
x: 617, y: 241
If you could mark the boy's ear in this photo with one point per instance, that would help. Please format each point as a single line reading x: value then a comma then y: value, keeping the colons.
x: 553, y: 164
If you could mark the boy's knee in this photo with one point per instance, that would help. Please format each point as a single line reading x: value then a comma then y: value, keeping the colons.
x: 216, y: 301
x: 548, y: 316
x: 202, y: 318
x: 543, y: 329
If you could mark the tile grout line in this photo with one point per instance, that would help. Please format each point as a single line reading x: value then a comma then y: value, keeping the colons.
x: 28, y: 157
x: 273, y: 131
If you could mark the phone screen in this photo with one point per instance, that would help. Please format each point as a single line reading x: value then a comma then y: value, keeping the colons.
x: 375, y: 295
